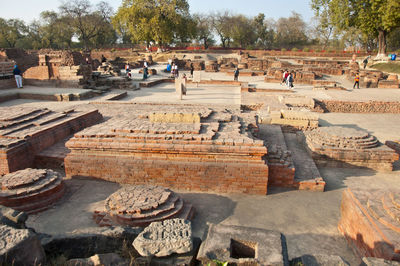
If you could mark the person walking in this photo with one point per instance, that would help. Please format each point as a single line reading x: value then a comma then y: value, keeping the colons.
x: 357, y: 81
x: 365, y: 61
x: 236, y: 74
x: 290, y: 80
x: 128, y: 70
x: 145, y: 72
x: 18, y: 76
x: 284, y: 77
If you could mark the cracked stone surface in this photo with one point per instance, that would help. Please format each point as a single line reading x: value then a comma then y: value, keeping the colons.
x: 164, y: 238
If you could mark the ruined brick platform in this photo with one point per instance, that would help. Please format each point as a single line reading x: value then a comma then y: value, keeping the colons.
x: 215, y: 155
x: 142, y: 205
x: 370, y: 221
x: 340, y: 147
x: 31, y: 190
x: 395, y: 145
x: 25, y: 131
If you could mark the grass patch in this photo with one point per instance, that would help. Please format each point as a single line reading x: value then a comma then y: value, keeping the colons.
x: 388, y: 67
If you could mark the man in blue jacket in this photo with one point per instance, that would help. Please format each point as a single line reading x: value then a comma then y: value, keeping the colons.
x: 18, y: 76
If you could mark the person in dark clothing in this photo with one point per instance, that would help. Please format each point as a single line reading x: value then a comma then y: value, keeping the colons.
x: 191, y: 70
x: 145, y: 73
x: 18, y: 76
x: 236, y: 74
x: 103, y: 59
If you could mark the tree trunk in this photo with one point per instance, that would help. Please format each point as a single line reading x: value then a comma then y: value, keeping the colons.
x: 205, y: 43
x: 382, y: 43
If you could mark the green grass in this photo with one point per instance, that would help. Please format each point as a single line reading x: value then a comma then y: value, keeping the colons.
x: 388, y: 67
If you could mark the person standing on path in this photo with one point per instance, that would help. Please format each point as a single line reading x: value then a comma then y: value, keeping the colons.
x: 290, y: 80
x: 357, y: 81
x: 236, y: 74
x: 18, y: 76
x: 191, y: 70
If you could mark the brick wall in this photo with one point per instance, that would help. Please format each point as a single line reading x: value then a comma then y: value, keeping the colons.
x: 330, y: 106
x: 195, y: 167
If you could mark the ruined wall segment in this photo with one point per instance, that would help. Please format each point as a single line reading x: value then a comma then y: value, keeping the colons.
x: 206, y: 156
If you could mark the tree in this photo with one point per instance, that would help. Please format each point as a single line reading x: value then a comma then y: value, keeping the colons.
x: 54, y: 30
x: 372, y: 17
x: 291, y: 31
x: 242, y: 31
x: 88, y: 23
x: 264, y: 32
x: 152, y: 20
x: 11, y: 32
x: 221, y: 25
x: 204, y: 29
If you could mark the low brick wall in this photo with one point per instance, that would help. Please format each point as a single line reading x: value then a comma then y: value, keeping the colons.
x: 331, y: 106
x: 7, y: 83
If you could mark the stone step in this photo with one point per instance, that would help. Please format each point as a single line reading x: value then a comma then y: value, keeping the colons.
x: 52, y: 157
x: 115, y: 96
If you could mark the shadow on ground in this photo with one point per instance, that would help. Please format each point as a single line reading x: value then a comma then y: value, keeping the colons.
x: 209, y: 208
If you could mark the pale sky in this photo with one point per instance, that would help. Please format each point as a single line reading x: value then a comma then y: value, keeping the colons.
x: 28, y: 10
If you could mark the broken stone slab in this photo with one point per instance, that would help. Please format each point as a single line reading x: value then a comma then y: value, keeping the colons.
x: 243, y: 246
x: 319, y: 259
x: 109, y: 259
x: 12, y: 217
x: 20, y: 247
x: 185, y: 259
x: 165, y: 238
x: 89, y: 241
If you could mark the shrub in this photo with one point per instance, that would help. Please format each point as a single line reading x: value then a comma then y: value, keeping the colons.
x: 283, y: 49
x: 294, y: 49
x: 306, y: 49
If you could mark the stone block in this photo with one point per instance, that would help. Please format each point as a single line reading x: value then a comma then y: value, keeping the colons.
x: 242, y: 246
x: 20, y: 247
x: 164, y: 238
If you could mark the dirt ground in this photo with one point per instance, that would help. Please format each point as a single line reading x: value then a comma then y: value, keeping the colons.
x: 308, y: 220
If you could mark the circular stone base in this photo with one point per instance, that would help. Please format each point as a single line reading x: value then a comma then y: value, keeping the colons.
x: 342, y: 137
x: 141, y: 205
x: 31, y: 190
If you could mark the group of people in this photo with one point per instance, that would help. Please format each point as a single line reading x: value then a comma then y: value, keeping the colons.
x: 172, y: 68
x: 288, y: 79
x: 145, y: 70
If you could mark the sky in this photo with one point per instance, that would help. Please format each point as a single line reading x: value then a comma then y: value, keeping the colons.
x: 29, y: 10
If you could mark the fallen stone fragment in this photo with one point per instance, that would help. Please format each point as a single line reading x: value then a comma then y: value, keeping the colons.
x: 164, y: 238
x: 20, y: 247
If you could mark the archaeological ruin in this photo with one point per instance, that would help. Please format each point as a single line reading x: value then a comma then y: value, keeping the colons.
x: 200, y: 168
